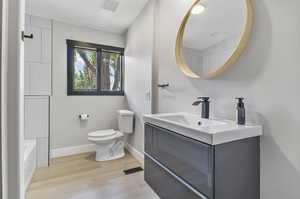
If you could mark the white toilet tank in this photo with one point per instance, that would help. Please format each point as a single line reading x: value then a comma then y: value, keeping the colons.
x: 125, y: 120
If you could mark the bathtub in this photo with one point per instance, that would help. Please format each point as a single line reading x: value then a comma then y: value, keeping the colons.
x: 29, y: 161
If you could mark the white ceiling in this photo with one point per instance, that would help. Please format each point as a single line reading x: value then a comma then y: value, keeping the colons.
x: 221, y: 20
x: 88, y: 13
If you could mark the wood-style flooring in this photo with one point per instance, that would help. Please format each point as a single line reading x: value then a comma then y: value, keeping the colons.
x: 80, y: 177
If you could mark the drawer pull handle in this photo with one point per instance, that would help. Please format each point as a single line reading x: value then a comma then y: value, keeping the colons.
x: 176, y: 177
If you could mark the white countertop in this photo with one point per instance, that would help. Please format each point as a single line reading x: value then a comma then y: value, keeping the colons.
x: 210, y: 131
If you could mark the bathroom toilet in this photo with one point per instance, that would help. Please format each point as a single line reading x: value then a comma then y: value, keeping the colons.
x: 110, y: 143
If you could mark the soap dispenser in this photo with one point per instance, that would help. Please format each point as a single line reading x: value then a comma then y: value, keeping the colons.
x: 240, y: 112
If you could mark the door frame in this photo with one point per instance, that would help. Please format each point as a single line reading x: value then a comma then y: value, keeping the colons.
x: 3, y: 69
x: 12, y: 98
x: 2, y: 145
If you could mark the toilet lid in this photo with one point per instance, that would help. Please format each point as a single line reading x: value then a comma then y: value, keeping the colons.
x: 125, y: 113
x: 103, y: 133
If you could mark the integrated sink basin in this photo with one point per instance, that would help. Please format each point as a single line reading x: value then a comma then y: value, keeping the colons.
x: 188, y: 119
x: 210, y: 131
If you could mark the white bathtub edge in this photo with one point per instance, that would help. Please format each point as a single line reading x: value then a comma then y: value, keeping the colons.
x: 29, y: 179
x: 29, y: 161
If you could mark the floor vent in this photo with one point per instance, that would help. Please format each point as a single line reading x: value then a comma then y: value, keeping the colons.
x: 133, y: 170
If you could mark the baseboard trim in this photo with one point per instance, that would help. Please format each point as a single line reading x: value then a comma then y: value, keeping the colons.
x: 135, y: 153
x: 62, y: 152
x: 67, y: 151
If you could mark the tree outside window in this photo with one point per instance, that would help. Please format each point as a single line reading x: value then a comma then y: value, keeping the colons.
x: 94, y: 69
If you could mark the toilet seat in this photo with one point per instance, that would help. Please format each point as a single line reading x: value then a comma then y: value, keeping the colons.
x: 104, y: 135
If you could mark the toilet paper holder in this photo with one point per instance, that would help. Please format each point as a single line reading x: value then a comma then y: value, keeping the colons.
x: 84, y: 116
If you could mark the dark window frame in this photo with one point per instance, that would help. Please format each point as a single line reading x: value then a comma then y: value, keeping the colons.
x: 71, y: 45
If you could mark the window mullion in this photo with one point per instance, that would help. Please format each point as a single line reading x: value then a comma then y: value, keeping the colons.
x: 70, y: 69
x: 122, y: 71
x: 99, y: 67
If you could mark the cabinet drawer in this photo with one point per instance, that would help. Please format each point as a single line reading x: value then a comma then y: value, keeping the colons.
x: 164, y: 184
x: 189, y: 159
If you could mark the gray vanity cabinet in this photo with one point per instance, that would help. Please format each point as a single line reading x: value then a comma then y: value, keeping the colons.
x: 180, y: 167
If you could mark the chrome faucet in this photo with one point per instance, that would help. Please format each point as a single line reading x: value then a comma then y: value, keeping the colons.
x: 205, y: 106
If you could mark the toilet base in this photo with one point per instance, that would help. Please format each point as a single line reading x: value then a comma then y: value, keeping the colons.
x: 110, y: 151
x: 110, y: 158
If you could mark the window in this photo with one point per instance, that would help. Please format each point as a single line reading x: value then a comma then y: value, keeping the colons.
x: 94, y: 69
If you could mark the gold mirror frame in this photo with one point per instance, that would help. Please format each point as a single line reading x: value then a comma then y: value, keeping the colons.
x: 234, y: 57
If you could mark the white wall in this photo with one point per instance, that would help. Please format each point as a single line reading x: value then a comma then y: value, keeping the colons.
x: 66, y: 129
x: 138, y: 66
x: 267, y: 74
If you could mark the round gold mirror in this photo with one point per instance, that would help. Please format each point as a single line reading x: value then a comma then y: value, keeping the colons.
x: 212, y: 36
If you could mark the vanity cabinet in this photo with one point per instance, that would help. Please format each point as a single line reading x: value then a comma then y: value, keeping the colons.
x: 180, y: 167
